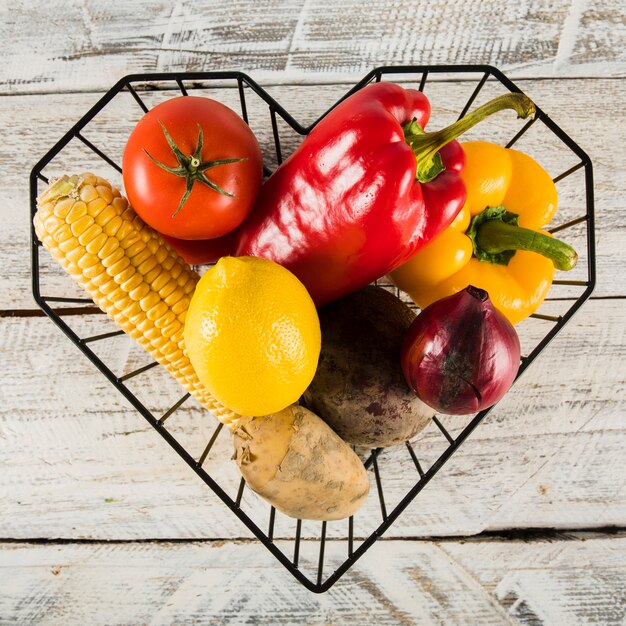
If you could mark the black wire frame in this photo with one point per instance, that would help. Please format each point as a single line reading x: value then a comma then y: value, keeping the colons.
x: 134, y: 84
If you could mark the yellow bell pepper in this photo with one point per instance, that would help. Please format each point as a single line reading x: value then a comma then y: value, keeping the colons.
x: 495, y: 242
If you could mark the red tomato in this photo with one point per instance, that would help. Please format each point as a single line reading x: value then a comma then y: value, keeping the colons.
x: 204, y: 133
x: 203, y: 251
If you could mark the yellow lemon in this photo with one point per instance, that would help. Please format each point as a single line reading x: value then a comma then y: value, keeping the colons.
x: 252, y: 335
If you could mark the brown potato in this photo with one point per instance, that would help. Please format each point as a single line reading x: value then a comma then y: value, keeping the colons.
x: 300, y: 466
x: 359, y: 388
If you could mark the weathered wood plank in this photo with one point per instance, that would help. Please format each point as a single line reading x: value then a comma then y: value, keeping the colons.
x: 76, y: 461
x: 541, y: 577
x: 575, y: 580
x: 602, y: 139
x: 545, y: 457
x: 96, y: 43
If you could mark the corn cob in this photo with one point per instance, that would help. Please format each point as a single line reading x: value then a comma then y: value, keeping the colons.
x: 127, y: 268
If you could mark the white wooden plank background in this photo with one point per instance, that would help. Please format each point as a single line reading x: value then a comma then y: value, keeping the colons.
x: 76, y: 462
x: 89, y: 45
x: 574, y: 580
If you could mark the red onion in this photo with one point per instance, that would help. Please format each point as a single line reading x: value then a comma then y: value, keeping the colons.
x: 461, y: 355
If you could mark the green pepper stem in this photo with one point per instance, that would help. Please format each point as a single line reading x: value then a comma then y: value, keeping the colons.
x: 191, y: 167
x: 426, y: 145
x: 495, y: 236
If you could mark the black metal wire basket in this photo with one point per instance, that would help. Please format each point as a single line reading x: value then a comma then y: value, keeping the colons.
x: 348, y: 540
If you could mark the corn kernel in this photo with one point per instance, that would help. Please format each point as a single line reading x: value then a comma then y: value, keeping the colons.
x: 78, y: 210
x: 133, y: 282
x: 88, y: 193
x: 96, y: 206
x: 74, y: 255
x: 101, y: 280
x: 118, y: 267
x: 106, y: 216
x: 110, y: 245
x: 141, y: 256
x: 167, y: 261
x: 81, y: 225
x: 113, y: 257
x: 63, y: 207
x: 126, y: 234
x: 140, y: 292
x: 152, y: 275
x: 166, y: 319
x: 171, y: 329
x: 177, y: 337
x: 97, y: 243
x: 105, y: 193
x: 52, y: 223
x: 89, y: 234
x: 147, y: 265
x: 94, y: 271
x: 150, y: 300
x: 111, y: 228
x: 160, y: 281
x: 88, y: 260
x: 120, y: 204
x: 173, y: 297
x: 106, y: 287
x: 168, y: 288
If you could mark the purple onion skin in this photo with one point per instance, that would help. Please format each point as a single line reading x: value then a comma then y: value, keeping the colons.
x: 461, y: 355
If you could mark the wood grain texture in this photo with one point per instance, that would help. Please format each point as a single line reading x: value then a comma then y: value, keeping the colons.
x: 601, y: 138
x: 65, y: 46
x: 78, y: 462
x: 576, y: 580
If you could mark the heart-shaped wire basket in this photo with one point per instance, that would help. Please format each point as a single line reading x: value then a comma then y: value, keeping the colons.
x: 336, y: 545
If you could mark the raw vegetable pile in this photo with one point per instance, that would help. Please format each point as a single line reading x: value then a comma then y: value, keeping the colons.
x: 284, y: 338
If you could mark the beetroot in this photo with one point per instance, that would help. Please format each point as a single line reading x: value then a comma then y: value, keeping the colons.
x: 358, y: 388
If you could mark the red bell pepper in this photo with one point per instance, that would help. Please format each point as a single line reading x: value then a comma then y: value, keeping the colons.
x: 366, y: 189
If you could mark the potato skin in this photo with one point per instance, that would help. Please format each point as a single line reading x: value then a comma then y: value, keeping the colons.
x: 299, y: 465
x: 359, y: 388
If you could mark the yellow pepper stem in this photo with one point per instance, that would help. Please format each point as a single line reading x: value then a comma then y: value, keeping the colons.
x: 496, y: 236
x: 425, y: 145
